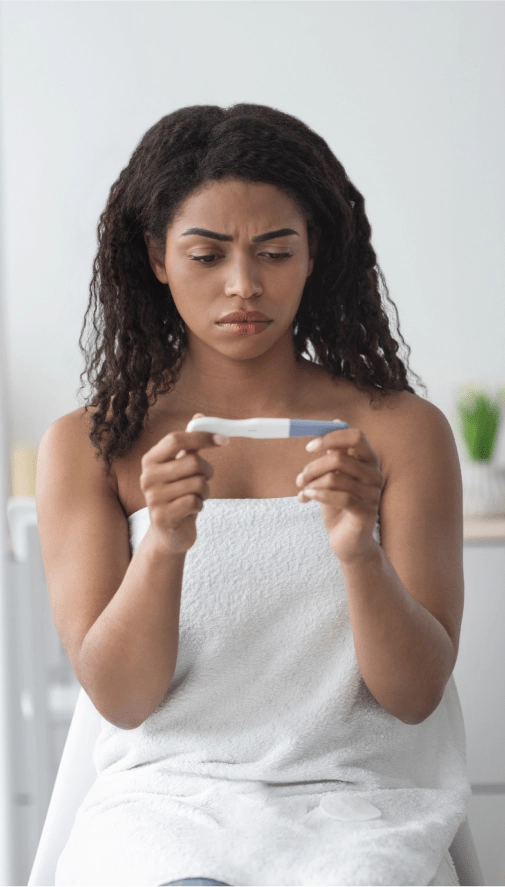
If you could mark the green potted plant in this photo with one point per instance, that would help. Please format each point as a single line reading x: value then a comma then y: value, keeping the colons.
x: 479, y: 418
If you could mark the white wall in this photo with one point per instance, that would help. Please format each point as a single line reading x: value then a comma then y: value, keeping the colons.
x: 7, y: 756
x: 408, y: 95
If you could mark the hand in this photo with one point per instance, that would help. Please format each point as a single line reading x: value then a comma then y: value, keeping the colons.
x: 348, y: 482
x: 174, y: 481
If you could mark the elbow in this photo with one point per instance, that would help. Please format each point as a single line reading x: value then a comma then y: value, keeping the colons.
x: 123, y: 718
x: 129, y: 716
x: 431, y: 695
x: 414, y: 718
x: 422, y: 700
x: 419, y: 715
x: 121, y: 724
x: 124, y: 710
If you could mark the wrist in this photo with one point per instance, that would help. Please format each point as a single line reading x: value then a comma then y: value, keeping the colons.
x: 160, y: 547
x: 369, y: 556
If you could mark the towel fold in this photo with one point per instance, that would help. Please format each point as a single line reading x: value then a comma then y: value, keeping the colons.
x: 269, y: 761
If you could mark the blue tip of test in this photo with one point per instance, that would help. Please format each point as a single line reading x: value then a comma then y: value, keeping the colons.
x: 312, y: 428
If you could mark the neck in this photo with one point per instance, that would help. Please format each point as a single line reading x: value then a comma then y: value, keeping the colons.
x: 273, y: 384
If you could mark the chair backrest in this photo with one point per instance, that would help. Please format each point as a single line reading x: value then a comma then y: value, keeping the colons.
x: 464, y: 856
x: 76, y: 774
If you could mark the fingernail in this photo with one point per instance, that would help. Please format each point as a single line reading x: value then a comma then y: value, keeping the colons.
x: 312, y: 445
x: 221, y: 439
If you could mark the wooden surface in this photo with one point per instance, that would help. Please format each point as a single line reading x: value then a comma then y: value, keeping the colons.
x: 484, y: 528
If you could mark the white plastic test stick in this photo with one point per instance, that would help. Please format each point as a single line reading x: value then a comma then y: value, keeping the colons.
x: 263, y: 428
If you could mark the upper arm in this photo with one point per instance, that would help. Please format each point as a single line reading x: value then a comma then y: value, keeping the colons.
x: 421, y: 510
x: 83, y: 530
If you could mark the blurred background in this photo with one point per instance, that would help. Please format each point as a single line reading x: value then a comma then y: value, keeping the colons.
x: 409, y: 96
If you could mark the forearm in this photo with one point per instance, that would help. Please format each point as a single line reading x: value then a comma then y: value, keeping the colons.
x: 128, y: 657
x: 404, y: 653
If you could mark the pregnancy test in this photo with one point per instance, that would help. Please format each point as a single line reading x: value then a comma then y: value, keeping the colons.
x: 264, y: 427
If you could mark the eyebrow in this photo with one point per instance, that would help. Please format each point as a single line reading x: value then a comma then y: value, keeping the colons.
x: 282, y: 232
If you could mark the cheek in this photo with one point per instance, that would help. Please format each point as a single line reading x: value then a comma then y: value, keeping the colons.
x: 179, y: 274
x: 186, y: 287
x: 301, y: 269
x: 192, y: 300
x: 287, y: 278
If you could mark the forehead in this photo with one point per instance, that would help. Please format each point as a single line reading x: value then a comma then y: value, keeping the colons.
x: 230, y: 199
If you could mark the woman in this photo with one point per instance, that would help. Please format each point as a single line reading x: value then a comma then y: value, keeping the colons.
x: 269, y: 631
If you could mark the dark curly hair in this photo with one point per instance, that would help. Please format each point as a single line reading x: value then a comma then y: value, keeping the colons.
x: 139, y: 336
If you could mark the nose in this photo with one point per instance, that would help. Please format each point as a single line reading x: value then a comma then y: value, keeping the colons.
x: 243, y: 279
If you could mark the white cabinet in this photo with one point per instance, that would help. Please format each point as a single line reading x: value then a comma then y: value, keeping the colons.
x: 486, y: 815
x: 480, y: 668
x: 480, y: 679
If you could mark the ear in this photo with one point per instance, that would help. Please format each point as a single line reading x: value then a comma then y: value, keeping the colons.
x: 155, y: 261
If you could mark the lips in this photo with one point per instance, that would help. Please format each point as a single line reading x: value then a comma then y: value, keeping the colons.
x: 245, y: 317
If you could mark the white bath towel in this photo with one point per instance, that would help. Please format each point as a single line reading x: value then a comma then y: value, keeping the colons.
x: 267, y: 728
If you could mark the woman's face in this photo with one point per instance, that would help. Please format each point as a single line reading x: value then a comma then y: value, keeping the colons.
x: 251, y: 253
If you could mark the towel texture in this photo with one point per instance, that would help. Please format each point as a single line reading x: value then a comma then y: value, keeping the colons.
x: 254, y: 768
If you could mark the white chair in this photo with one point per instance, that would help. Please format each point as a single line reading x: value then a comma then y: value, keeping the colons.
x: 76, y: 775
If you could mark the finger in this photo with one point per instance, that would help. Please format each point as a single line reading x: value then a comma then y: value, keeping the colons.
x: 337, y: 460
x: 339, y: 499
x: 344, y: 483
x: 188, y: 464
x: 196, y: 486
x: 352, y: 439
x: 183, y: 452
x: 172, y: 443
x: 360, y: 497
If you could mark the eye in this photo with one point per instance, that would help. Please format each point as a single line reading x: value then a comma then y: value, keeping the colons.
x: 201, y: 259
x: 207, y: 260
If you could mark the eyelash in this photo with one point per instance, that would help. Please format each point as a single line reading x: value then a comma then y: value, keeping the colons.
x: 276, y: 256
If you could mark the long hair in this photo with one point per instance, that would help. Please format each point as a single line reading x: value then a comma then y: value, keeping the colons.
x: 137, y: 345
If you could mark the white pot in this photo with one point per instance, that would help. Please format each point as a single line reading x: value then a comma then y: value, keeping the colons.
x: 483, y: 490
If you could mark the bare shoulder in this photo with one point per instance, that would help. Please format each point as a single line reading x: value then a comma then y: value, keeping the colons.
x: 403, y: 426
x: 397, y: 424
x: 70, y: 434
